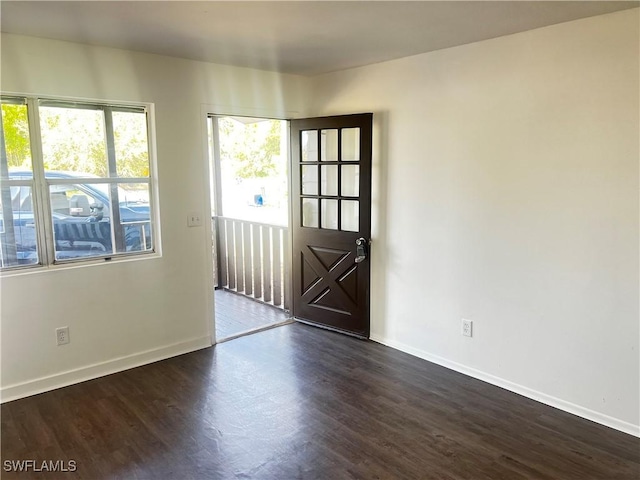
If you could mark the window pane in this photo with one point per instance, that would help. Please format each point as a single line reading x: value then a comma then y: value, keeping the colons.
x: 309, y: 212
x: 329, y: 214
x: 81, y: 220
x: 132, y: 148
x: 73, y: 139
x: 309, y: 146
x: 15, y: 125
x: 329, y: 179
x: 135, y: 217
x: 350, y: 182
x: 309, y: 180
x: 350, y: 144
x: 18, y: 244
x: 350, y: 215
x: 329, y: 144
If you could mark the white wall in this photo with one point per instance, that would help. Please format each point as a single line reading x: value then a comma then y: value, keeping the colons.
x: 506, y: 192
x: 127, y: 313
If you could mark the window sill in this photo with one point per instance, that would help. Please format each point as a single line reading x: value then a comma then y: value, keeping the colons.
x: 70, y: 265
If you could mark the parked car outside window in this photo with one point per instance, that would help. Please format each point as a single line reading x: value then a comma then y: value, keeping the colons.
x: 81, y: 217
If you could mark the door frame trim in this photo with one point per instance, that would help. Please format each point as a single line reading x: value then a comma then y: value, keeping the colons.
x: 207, y: 110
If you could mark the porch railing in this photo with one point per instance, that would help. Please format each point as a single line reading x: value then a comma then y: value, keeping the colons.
x: 252, y: 258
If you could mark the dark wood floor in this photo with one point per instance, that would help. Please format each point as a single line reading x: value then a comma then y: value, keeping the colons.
x: 299, y: 402
x: 236, y: 314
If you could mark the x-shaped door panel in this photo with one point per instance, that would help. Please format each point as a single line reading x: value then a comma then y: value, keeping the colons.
x: 334, y: 288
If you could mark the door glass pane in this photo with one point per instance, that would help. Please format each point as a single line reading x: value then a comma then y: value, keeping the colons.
x: 309, y: 180
x: 350, y: 215
x: 135, y: 216
x: 309, y: 212
x: 132, y: 149
x: 18, y: 244
x: 350, y: 144
x: 329, y: 179
x: 15, y: 125
x: 350, y: 183
x: 309, y: 146
x: 81, y: 220
x: 329, y: 139
x: 329, y: 214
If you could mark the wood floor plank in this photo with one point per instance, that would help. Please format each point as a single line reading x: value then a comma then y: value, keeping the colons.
x: 297, y: 402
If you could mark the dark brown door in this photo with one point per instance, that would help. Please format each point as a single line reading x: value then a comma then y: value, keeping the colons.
x: 331, y: 199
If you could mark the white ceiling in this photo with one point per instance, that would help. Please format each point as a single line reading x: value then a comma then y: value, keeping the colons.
x: 304, y: 37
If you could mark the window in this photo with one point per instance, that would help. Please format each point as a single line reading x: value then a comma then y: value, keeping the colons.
x: 75, y: 182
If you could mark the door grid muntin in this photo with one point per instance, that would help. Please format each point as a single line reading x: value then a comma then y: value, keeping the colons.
x: 316, y: 193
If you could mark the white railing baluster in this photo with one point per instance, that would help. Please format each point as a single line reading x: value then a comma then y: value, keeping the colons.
x: 276, y: 266
x: 230, y: 254
x: 285, y: 268
x: 266, y: 265
x: 237, y: 244
x: 257, y: 261
x: 254, y: 260
x: 246, y: 255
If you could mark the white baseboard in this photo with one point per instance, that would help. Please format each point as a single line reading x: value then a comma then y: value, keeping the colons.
x: 583, y: 412
x: 82, y: 374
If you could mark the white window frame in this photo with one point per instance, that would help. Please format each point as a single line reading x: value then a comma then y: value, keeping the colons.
x: 40, y: 186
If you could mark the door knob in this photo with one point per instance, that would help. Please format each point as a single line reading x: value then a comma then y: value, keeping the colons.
x: 361, y: 249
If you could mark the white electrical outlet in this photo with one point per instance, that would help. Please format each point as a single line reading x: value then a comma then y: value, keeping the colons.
x: 193, y: 220
x: 62, y: 335
x: 467, y: 328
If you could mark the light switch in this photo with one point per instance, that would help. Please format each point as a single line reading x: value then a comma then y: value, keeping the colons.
x: 193, y: 219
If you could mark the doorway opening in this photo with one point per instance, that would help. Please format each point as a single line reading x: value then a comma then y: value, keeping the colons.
x: 250, y: 216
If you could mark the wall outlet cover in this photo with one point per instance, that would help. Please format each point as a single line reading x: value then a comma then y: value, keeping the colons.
x: 62, y: 335
x: 467, y: 327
